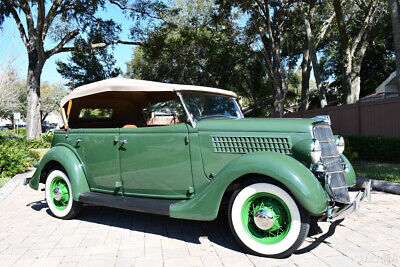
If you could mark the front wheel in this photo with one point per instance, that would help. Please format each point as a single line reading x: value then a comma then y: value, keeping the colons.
x: 266, y: 220
x: 59, y: 195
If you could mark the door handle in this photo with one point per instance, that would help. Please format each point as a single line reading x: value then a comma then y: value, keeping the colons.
x: 78, y: 140
x: 121, y: 144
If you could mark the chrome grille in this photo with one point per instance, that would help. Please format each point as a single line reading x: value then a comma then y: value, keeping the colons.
x: 332, y: 162
x: 246, y: 144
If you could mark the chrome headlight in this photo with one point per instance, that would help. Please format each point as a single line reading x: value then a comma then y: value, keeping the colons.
x: 315, y: 150
x: 340, y: 144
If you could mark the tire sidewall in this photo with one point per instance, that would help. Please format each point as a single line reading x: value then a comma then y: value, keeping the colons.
x: 52, y: 175
x: 235, y: 219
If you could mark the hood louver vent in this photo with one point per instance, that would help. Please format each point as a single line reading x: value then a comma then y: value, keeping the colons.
x: 243, y: 145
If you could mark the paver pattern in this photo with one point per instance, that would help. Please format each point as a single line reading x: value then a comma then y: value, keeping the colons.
x: 30, y: 236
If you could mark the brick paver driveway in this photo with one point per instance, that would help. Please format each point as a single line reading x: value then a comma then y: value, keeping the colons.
x: 106, y: 237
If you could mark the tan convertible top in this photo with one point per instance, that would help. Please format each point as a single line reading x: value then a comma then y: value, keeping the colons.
x: 131, y: 85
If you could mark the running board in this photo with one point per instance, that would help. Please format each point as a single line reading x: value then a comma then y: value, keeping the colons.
x: 140, y: 204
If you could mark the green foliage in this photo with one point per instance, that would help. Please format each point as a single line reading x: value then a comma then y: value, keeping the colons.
x: 47, y: 138
x: 14, y: 157
x: 50, y: 97
x: 96, y: 113
x: 196, y: 46
x: 88, y: 66
x: 16, y: 154
x: 373, y: 148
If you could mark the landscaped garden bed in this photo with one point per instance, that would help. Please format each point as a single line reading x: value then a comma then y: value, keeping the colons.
x: 17, y: 153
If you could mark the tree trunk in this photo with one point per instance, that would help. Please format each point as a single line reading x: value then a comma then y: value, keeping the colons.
x: 33, y: 124
x: 344, y: 53
x: 305, y: 78
x: 314, y: 60
x: 356, y: 80
x: 395, y: 14
x: 279, y: 97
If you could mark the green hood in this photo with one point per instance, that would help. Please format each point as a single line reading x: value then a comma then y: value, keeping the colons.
x: 217, y: 131
x: 256, y: 125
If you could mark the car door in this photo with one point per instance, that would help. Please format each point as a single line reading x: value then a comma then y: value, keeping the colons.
x: 155, y: 161
x: 98, y: 149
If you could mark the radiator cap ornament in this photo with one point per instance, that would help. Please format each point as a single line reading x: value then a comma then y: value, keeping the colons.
x: 324, y: 118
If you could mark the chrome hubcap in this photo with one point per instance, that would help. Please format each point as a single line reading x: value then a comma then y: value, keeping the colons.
x: 57, y: 194
x: 264, y: 219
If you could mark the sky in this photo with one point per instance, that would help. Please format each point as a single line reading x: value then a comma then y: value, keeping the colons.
x: 12, y: 47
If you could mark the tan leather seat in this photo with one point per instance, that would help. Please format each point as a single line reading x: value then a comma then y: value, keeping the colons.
x: 161, y: 121
x: 129, y: 126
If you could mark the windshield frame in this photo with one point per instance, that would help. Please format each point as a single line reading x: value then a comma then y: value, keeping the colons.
x: 194, y: 121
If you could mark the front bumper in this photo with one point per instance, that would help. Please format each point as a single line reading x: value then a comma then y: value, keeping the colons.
x: 334, y: 213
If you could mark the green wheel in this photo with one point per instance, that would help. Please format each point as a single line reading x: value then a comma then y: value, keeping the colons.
x: 59, y: 195
x: 266, y: 220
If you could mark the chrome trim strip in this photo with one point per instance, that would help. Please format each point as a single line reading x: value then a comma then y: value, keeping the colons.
x: 186, y: 110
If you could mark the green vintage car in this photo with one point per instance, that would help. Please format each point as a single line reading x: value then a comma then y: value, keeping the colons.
x: 187, y: 152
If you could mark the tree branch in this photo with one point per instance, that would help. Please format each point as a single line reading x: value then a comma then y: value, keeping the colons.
x: 29, y: 18
x: 92, y: 46
x: 364, y: 28
x: 61, y: 44
x: 324, y: 29
x: 20, y: 27
x: 133, y: 9
x: 40, y: 18
x: 50, y: 17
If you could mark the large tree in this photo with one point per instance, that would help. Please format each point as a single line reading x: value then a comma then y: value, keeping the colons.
x: 63, y: 21
x: 267, y: 22
x: 309, y: 13
x: 354, y: 21
x: 197, y: 46
x: 84, y: 67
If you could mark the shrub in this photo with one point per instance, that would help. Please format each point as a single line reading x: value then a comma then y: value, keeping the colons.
x: 14, y: 157
x: 16, y: 154
x: 373, y: 148
x: 47, y: 138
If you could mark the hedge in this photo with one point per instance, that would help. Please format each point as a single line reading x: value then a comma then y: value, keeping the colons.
x: 377, y: 148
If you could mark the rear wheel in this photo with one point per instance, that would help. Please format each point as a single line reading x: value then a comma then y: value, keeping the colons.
x: 59, y: 195
x: 266, y: 220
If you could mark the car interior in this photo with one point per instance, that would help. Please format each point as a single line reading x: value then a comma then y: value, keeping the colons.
x: 126, y: 110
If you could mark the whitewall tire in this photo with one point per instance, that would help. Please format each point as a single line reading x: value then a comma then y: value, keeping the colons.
x: 59, y: 195
x: 266, y: 220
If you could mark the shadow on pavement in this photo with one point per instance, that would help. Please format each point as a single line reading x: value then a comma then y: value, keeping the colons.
x: 38, y: 205
x: 321, y: 239
x: 217, y: 231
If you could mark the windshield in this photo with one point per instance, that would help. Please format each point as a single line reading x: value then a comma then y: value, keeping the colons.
x: 202, y: 106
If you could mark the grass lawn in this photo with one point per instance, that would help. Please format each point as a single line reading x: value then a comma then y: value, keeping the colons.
x: 4, y: 180
x: 378, y: 170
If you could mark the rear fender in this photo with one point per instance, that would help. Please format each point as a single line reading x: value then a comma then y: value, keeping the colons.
x: 64, y: 156
x: 299, y: 180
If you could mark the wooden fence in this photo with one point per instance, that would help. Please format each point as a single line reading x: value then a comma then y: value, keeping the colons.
x: 379, y: 117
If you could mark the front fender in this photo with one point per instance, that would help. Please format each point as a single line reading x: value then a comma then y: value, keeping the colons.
x: 72, y: 165
x: 351, y: 175
x: 296, y: 177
